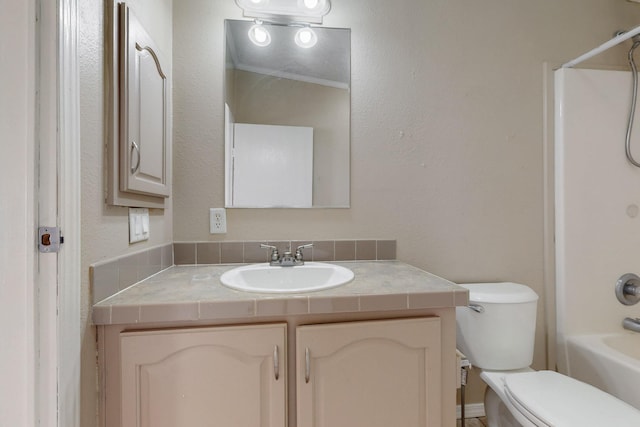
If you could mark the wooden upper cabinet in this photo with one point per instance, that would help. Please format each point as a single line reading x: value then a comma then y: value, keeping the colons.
x: 144, y: 134
x: 370, y: 374
x: 219, y: 376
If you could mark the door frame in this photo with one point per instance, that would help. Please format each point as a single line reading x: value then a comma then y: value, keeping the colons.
x: 58, y: 276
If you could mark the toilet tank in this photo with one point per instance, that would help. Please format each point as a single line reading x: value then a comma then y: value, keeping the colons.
x: 501, y: 333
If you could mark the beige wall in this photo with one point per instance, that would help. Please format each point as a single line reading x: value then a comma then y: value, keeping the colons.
x: 446, y: 125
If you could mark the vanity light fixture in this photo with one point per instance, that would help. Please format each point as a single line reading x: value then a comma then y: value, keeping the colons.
x: 311, y: 4
x: 259, y: 35
x: 306, y: 38
x: 286, y: 11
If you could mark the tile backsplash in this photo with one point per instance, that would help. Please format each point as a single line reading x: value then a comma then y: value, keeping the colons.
x: 111, y: 276
x: 194, y: 253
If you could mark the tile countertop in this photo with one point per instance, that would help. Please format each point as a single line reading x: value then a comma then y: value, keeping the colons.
x: 191, y: 293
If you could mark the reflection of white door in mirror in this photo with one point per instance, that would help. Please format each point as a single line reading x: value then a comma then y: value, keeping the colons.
x: 272, y: 166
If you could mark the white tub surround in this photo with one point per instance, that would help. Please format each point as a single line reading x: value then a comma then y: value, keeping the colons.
x: 597, y: 226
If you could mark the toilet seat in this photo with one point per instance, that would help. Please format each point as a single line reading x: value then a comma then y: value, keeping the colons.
x: 550, y: 399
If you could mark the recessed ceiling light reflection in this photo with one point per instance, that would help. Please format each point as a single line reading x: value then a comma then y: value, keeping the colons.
x: 306, y: 38
x: 259, y: 35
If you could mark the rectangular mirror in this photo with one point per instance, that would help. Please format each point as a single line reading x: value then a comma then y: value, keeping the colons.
x: 287, y: 116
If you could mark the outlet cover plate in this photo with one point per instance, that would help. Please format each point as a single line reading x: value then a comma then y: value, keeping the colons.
x: 217, y: 220
x: 138, y: 224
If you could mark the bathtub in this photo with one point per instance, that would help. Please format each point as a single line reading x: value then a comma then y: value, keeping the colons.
x: 610, y: 362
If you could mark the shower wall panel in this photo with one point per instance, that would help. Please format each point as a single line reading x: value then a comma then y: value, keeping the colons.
x: 597, y: 199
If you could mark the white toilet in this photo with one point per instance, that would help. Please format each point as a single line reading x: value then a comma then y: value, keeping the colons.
x: 496, y: 333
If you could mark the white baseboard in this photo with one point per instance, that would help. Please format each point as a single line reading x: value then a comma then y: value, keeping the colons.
x: 472, y: 410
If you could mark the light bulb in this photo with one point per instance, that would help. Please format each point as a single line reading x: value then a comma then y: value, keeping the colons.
x: 254, y: 4
x: 306, y: 38
x: 316, y: 6
x: 310, y: 4
x: 259, y: 35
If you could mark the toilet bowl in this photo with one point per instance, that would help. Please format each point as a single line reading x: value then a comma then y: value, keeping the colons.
x: 496, y: 332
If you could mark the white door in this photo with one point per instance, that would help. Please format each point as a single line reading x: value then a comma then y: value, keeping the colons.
x: 272, y: 166
x: 369, y: 374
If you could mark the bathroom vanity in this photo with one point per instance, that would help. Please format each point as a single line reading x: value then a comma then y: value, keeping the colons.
x: 179, y: 349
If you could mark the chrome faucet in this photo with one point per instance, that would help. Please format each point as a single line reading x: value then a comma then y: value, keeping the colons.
x: 275, y: 256
x: 628, y: 289
x: 631, y: 324
x: 287, y: 259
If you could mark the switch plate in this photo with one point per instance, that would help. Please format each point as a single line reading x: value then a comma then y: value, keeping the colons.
x: 138, y: 224
x: 218, y: 220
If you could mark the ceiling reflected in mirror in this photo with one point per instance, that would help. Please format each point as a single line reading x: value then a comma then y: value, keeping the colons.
x: 327, y: 63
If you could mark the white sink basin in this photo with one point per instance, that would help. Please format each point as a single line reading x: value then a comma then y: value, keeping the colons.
x: 312, y: 276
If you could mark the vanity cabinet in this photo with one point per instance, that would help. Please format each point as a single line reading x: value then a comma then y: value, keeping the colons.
x: 365, y: 373
x: 369, y: 374
x: 378, y: 351
x: 223, y: 376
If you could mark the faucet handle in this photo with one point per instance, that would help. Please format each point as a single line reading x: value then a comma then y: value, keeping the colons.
x: 299, y: 250
x: 274, y: 251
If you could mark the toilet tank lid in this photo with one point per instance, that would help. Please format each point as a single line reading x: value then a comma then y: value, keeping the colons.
x: 500, y: 293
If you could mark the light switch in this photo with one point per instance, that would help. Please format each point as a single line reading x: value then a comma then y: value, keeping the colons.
x: 138, y: 224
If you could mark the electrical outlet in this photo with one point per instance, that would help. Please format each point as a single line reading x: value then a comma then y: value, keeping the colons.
x: 217, y: 220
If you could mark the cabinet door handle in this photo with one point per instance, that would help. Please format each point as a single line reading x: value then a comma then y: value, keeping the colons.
x: 307, y: 365
x: 276, y: 362
x: 135, y: 146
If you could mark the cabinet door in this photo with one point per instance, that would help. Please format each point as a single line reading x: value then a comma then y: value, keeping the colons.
x: 369, y: 374
x: 144, y: 111
x: 222, y: 376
